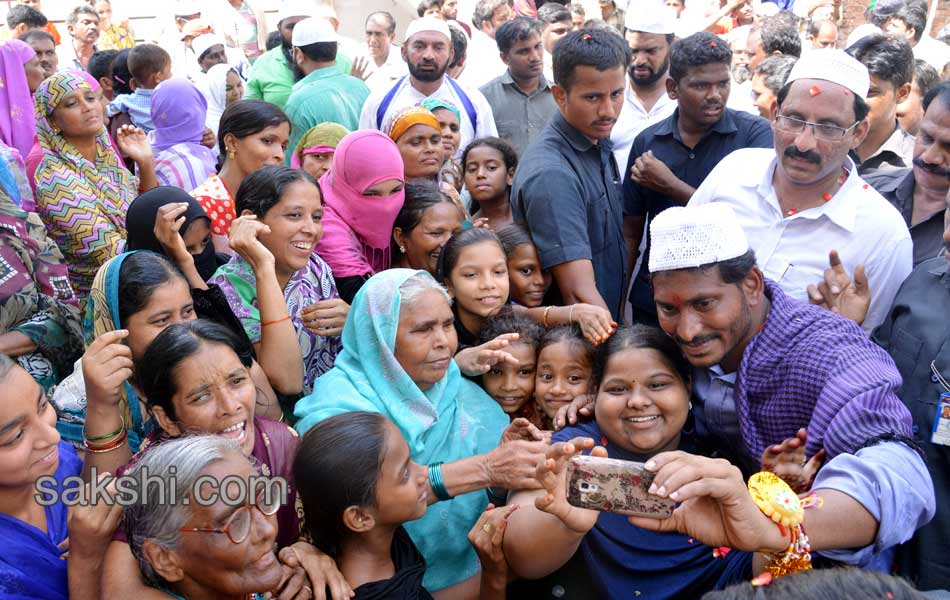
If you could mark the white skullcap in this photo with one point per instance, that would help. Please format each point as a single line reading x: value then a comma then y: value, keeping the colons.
x: 296, y: 8
x: 862, y: 31
x: 204, y: 42
x: 650, y: 19
x: 836, y: 66
x: 325, y: 11
x: 684, y: 237
x: 428, y: 24
x: 313, y: 30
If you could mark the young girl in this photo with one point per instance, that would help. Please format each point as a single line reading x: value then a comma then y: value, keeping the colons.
x: 489, y: 165
x: 512, y: 386
x: 529, y: 283
x: 642, y: 408
x: 565, y: 360
x: 358, y: 486
x: 474, y: 270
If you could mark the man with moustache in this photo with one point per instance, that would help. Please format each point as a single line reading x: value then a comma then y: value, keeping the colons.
x: 567, y: 189
x: 428, y: 52
x: 385, y: 65
x: 803, y: 199
x: 766, y: 366
x: 520, y: 99
x: 83, y: 26
x: 42, y: 43
x: 920, y: 192
x: 670, y: 159
x: 649, y: 32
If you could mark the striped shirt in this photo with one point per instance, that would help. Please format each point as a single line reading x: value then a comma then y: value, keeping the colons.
x: 811, y: 368
x: 184, y: 166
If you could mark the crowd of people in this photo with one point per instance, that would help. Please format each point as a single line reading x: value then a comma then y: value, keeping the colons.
x: 707, y: 240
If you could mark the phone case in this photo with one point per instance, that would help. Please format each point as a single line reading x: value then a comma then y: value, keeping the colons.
x: 617, y: 486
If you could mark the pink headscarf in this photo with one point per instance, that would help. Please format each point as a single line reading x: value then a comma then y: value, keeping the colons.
x: 362, y: 159
x: 17, y: 121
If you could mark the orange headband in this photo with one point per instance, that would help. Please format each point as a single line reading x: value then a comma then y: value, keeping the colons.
x: 413, y: 116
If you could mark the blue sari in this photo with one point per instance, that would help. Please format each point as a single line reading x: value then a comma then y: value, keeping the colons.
x: 453, y: 419
x: 30, y: 564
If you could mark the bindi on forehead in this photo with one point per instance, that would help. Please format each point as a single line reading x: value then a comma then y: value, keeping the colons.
x: 814, y: 91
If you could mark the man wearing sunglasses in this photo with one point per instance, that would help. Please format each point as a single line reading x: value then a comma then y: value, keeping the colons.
x: 805, y: 198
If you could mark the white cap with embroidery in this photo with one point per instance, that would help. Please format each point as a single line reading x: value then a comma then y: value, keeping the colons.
x: 835, y: 66
x: 313, y: 31
x: 685, y: 237
x: 428, y: 24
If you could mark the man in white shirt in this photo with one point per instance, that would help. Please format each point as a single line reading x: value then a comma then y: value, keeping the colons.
x: 385, y: 65
x: 428, y: 52
x: 649, y: 34
x: 488, y: 17
x: 805, y: 198
x: 555, y: 22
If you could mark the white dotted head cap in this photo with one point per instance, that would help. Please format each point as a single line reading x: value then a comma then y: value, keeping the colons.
x: 684, y: 237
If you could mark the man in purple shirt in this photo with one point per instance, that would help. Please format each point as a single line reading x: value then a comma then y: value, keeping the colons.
x: 767, y: 365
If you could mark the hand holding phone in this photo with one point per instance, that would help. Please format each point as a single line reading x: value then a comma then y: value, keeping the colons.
x: 611, y: 485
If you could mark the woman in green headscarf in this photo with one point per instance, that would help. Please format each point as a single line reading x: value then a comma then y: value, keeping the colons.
x: 314, y: 152
x: 397, y: 360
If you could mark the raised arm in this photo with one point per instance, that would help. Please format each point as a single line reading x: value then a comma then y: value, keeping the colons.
x: 278, y: 350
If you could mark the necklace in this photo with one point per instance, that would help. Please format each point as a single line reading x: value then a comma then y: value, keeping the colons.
x: 827, y: 196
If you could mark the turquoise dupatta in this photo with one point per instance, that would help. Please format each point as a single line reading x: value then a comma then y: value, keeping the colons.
x: 453, y: 419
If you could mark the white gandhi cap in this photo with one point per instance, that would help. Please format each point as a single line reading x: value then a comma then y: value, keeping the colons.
x: 313, y: 31
x: 684, y: 237
x: 835, y: 66
x: 650, y: 19
x: 428, y: 24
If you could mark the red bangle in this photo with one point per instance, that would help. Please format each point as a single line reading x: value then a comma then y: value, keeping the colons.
x: 266, y: 323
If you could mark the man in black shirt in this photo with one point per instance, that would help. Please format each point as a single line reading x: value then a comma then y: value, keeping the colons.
x: 670, y: 159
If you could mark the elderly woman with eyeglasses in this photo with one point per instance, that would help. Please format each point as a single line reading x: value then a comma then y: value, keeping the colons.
x: 213, y: 533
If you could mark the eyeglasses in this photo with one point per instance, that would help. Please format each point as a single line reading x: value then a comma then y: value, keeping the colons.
x: 238, y: 526
x: 822, y: 131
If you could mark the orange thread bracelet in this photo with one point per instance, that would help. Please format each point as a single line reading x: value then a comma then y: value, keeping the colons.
x: 266, y: 323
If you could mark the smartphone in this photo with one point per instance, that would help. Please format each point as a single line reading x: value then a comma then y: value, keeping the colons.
x: 617, y: 486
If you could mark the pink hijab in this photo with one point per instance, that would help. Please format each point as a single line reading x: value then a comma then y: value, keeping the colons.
x: 362, y: 159
x: 17, y: 121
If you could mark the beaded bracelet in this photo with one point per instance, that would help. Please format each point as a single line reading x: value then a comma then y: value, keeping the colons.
x: 106, y: 436
x: 437, y: 483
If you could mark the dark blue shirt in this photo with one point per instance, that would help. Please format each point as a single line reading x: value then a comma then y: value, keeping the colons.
x: 626, y: 561
x: 735, y: 130
x: 568, y: 193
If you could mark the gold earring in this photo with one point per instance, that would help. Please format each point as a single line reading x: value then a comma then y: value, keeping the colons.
x: 230, y: 154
